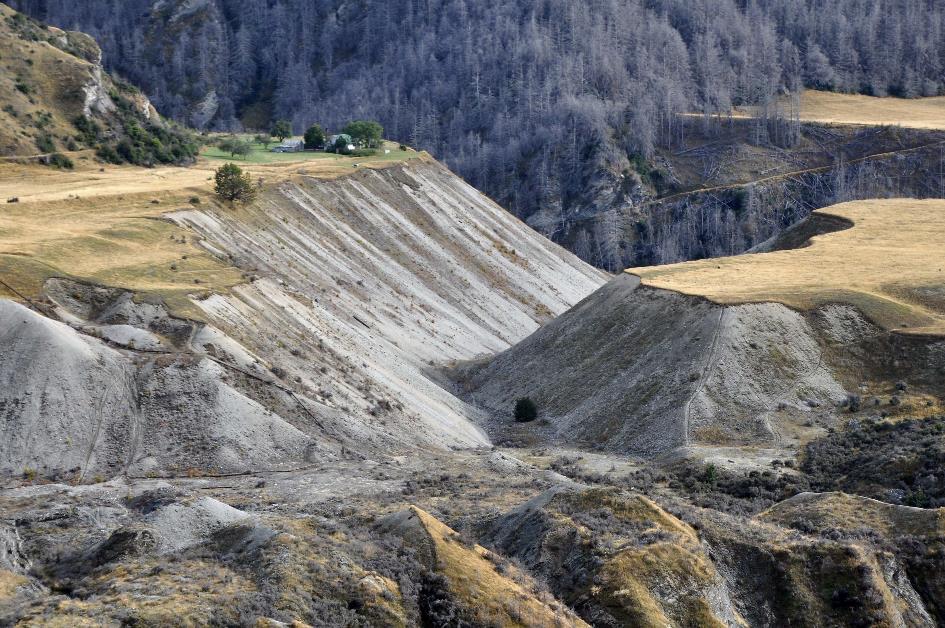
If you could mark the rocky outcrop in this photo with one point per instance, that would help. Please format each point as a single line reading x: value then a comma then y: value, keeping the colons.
x: 73, y: 407
x: 97, y: 100
x: 731, y: 212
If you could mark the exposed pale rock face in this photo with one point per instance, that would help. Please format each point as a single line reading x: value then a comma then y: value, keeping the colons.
x: 97, y: 100
x: 205, y: 110
x: 382, y: 275
x: 73, y: 407
x: 64, y: 397
x: 364, y: 287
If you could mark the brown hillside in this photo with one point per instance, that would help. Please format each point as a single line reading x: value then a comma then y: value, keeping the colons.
x: 51, y: 77
x: 890, y: 265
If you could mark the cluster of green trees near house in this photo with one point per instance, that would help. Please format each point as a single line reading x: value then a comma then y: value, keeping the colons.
x: 363, y: 135
x: 232, y: 184
x: 359, y: 138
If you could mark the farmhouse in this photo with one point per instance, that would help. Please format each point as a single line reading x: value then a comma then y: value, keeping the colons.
x: 290, y: 146
x: 341, y: 143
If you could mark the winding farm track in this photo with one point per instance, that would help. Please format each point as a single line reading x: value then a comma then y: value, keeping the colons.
x: 710, y: 362
x: 789, y: 175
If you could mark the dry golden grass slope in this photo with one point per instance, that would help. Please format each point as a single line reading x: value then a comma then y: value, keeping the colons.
x: 890, y: 265
x: 851, y: 512
x: 33, y: 184
x: 104, y: 225
x: 113, y: 234
x: 486, y: 595
x: 915, y: 113
x: 633, y: 583
x: 47, y: 78
x: 855, y: 109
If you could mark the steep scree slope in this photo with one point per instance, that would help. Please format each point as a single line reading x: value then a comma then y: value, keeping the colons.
x: 712, y: 353
x: 356, y: 289
x: 645, y: 371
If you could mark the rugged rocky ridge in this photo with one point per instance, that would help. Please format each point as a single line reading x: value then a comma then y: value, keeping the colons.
x: 616, y: 556
x: 75, y: 407
x: 57, y: 97
x: 721, y: 194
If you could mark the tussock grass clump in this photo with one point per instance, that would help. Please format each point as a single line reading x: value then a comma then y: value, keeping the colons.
x: 58, y: 160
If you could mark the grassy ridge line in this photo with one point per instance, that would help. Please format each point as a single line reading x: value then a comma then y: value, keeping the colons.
x: 858, y: 110
x: 890, y: 265
x: 30, y: 183
x: 472, y: 576
x: 105, y: 225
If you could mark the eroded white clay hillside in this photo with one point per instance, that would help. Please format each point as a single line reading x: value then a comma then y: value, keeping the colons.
x: 383, y: 276
x: 356, y: 291
x: 417, y: 254
x: 754, y: 352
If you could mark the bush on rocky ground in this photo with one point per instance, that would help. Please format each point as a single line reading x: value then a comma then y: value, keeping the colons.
x: 735, y: 492
x: 898, y: 462
x: 525, y: 410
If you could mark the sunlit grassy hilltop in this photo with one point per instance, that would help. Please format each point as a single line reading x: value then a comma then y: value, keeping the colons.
x: 104, y: 223
x: 890, y: 264
x: 914, y: 113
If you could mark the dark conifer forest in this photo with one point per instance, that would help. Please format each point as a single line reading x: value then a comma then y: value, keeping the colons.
x: 529, y: 100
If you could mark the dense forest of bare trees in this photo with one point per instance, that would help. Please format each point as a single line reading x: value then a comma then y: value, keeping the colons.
x: 535, y: 102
